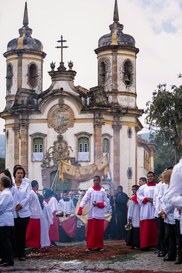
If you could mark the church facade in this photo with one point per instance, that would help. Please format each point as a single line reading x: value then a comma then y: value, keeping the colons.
x: 71, y: 123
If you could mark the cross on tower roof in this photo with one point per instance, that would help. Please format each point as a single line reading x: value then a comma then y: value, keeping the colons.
x: 61, y: 46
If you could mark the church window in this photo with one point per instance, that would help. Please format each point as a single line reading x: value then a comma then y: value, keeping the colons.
x: 38, y: 149
x: 147, y: 160
x: 129, y: 132
x: 129, y: 173
x: 102, y: 73
x: 128, y: 73
x: 83, y: 146
x: 37, y: 146
x: 106, y: 145
x: 32, y: 76
x: 9, y: 78
x: 83, y: 149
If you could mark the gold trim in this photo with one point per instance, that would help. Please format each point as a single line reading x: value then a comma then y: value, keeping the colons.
x: 9, y: 59
x: 118, y: 54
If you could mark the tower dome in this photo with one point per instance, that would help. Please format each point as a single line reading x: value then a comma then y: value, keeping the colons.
x: 25, y: 40
x: 116, y: 36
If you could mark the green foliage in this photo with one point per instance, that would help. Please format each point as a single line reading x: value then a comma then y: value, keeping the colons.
x: 165, y: 155
x: 164, y: 113
x: 2, y: 163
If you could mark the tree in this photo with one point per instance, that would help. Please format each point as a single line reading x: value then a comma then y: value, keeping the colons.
x: 164, y: 114
x: 165, y: 156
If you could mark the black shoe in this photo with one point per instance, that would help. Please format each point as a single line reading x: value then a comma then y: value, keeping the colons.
x: 7, y: 264
x: 178, y: 260
x: 22, y: 258
x: 161, y: 254
x: 168, y: 258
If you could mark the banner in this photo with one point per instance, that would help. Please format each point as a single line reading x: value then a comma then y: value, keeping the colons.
x: 83, y: 173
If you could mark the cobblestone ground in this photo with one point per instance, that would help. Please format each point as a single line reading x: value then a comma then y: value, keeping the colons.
x: 135, y: 262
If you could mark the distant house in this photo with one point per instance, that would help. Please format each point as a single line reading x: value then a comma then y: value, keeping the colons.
x: 146, y: 152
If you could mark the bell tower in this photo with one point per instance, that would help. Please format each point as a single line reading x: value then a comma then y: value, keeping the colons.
x: 24, y: 58
x: 116, y: 55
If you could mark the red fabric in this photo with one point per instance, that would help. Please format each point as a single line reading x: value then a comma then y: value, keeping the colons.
x: 54, y: 229
x: 101, y: 205
x: 144, y: 200
x: 96, y: 188
x: 33, y: 233
x: 80, y: 210
x: 148, y: 233
x: 151, y: 184
x: 95, y: 233
x: 69, y: 226
x: 134, y: 198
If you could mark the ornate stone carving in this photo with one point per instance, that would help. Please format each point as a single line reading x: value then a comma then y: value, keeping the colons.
x: 97, y: 97
x: 60, y: 150
x: 61, y: 117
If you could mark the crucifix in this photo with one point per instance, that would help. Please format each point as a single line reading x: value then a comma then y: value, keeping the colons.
x: 61, y: 46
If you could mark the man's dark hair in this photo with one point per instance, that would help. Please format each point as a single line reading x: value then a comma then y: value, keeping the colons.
x: 143, y: 178
x: 150, y: 172
x: 5, y: 181
x: 136, y: 187
x: 8, y: 174
x: 34, y: 183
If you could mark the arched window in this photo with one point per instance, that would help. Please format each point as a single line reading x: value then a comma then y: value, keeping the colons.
x: 128, y: 73
x: 102, y: 73
x: 106, y: 145
x: 129, y: 132
x: 38, y: 146
x: 9, y: 78
x: 32, y: 75
x: 83, y: 146
x: 38, y: 149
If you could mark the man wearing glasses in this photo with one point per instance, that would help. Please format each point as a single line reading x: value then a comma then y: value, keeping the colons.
x: 148, y: 224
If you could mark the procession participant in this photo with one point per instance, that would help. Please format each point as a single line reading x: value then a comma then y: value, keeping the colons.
x: 25, y: 179
x: 174, y: 195
x: 49, y: 198
x: 46, y: 220
x: 133, y: 218
x: 148, y: 224
x: 120, y: 201
x: 167, y: 213
x: 159, y: 191
x: 66, y: 208
x: 6, y: 222
x: 22, y: 211
x: 33, y: 229
x: 96, y: 197
x: 81, y: 219
x: 142, y: 180
x: 7, y: 173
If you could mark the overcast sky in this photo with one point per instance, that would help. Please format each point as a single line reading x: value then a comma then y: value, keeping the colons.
x: 156, y: 26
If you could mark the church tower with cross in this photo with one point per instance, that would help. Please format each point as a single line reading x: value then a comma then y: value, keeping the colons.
x: 73, y: 123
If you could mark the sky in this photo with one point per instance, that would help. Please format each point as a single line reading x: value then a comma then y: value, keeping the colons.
x: 156, y: 26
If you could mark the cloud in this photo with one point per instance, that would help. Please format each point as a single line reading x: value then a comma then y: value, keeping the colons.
x: 163, y: 15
